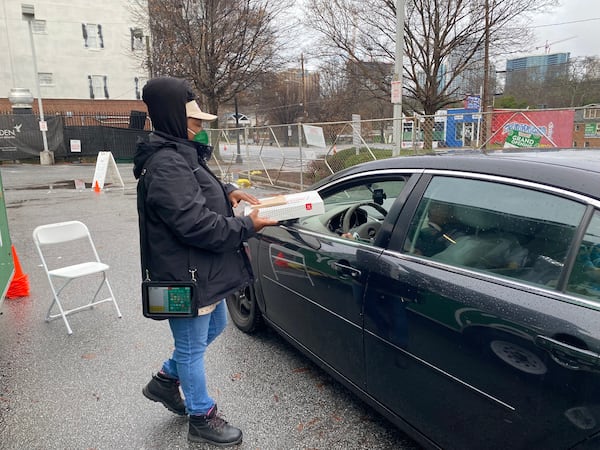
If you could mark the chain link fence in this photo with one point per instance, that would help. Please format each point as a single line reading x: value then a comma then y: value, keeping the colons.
x: 280, y: 154
x: 297, y: 155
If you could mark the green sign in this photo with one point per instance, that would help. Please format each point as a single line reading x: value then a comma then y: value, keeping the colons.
x: 519, y: 139
x: 591, y: 130
x: 6, y: 260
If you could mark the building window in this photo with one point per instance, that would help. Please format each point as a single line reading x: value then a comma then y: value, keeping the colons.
x: 92, y: 35
x: 586, y: 144
x: 98, y: 85
x: 137, y: 39
x: 591, y: 113
x: 38, y: 26
x: 45, y: 79
x: 577, y: 127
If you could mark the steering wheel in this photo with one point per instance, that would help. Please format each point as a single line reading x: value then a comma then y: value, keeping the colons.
x: 350, y: 212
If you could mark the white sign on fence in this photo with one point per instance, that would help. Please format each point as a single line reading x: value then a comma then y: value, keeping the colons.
x: 75, y: 146
x: 314, y: 136
x: 106, y: 168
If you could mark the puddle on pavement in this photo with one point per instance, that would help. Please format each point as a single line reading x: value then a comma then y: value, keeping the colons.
x: 79, y: 185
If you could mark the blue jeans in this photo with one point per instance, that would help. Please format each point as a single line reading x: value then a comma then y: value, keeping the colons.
x: 192, y: 336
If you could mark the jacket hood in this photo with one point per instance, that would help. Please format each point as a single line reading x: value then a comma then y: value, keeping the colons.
x: 142, y: 152
x: 157, y: 141
x: 166, y: 98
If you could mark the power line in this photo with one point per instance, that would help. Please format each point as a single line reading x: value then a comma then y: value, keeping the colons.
x: 565, y: 23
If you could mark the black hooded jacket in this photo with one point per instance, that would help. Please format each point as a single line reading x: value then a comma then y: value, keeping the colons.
x: 187, y: 225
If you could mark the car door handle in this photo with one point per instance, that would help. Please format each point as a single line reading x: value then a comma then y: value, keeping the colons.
x: 344, y: 268
x: 567, y: 355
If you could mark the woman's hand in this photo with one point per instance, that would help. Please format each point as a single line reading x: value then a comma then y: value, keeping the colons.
x: 235, y: 197
x: 260, y: 222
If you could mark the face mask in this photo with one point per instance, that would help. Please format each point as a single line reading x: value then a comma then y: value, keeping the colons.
x: 201, y: 136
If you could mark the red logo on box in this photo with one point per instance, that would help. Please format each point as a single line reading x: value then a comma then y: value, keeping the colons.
x: 308, y: 206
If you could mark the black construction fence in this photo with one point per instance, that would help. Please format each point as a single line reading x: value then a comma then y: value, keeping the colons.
x: 71, y: 136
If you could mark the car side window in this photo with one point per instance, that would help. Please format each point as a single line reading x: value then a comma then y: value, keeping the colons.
x: 357, y: 209
x: 510, y: 231
x: 585, y: 276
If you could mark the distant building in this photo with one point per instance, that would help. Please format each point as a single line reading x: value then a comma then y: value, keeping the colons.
x: 535, y: 68
x: 84, y: 50
x: 469, y: 80
x: 458, y: 78
x: 586, y: 132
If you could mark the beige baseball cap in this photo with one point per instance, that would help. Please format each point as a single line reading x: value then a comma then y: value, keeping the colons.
x: 193, y: 110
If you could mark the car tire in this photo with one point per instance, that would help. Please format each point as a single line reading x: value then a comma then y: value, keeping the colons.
x: 244, y: 310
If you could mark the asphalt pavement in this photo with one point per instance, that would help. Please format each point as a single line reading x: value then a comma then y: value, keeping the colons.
x: 84, y: 391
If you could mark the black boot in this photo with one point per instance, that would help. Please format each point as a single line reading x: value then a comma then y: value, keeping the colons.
x: 166, y: 391
x: 212, y: 428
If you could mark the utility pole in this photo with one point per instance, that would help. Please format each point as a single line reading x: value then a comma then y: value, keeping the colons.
x: 486, y: 78
x: 238, y: 158
x: 398, y: 71
x: 304, y: 112
x: 46, y: 156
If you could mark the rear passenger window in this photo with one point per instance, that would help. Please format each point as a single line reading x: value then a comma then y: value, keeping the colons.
x: 506, y: 230
x: 585, y: 277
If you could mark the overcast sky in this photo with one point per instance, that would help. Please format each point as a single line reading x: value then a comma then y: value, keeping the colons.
x: 573, y: 27
x: 577, y: 22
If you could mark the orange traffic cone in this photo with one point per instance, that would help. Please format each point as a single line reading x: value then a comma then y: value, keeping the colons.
x: 19, y: 286
x: 96, y: 187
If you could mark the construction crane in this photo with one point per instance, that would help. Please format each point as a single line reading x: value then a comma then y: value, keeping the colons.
x: 547, y: 45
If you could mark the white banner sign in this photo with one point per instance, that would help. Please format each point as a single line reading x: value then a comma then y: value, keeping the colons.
x: 75, y: 145
x: 314, y: 136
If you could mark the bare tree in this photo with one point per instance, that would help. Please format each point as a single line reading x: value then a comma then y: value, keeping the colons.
x: 286, y: 97
x: 220, y: 46
x: 443, y: 39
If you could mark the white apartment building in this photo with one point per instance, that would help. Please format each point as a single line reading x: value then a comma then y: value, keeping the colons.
x: 84, y: 49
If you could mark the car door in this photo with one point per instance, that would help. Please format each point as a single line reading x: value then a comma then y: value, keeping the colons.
x: 482, y: 345
x: 312, y: 279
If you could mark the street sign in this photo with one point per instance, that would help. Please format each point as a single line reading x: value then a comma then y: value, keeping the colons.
x: 396, y: 92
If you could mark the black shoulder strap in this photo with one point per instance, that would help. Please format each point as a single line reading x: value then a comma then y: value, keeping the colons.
x: 145, y: 250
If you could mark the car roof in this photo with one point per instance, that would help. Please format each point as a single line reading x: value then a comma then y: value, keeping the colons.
x: 573, y: 170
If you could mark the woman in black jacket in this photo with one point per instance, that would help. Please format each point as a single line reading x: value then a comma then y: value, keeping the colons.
x: 188, y: 232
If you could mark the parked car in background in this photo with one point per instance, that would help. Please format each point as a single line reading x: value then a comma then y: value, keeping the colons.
x: 479, y: 332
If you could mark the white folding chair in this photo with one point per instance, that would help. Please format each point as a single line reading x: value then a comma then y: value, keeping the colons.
x: 59, y: 236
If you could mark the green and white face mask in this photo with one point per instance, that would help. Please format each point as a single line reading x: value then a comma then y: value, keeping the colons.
x: 201, y: 136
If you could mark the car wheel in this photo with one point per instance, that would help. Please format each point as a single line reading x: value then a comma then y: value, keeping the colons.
x: 244, y: 310
x: 518, y: 357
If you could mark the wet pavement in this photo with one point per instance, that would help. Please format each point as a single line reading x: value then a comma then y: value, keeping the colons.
x: 84, y: 391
